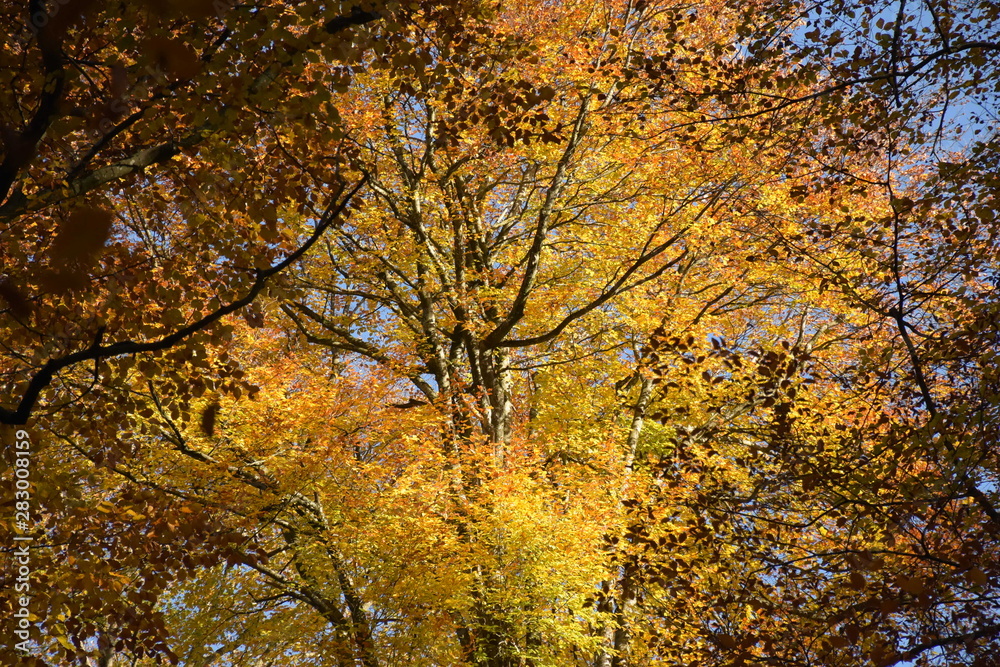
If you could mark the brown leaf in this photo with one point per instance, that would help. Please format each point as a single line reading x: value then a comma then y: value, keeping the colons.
x: 889, y: 606
x: 208, y: 419
x: 174, y: 57
x: 16, y: 301
x: 977, y: 576
x: 254, y: 318
x: 119, y: 81
x: 82, y: 235
x: 913, y: 585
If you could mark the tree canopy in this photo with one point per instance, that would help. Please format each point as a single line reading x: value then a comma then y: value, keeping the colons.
x: 603, y: 333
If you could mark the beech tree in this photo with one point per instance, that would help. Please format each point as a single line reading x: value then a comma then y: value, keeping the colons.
x: 110, y: 129
x: 602, y: 333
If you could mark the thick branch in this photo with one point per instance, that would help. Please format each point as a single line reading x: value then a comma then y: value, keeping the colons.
x: 541, y: 231
x: 21, y: 150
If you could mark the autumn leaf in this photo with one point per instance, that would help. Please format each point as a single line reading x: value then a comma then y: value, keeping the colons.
x: 82, y: 235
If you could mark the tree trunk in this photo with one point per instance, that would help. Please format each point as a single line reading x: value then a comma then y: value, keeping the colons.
x: 620, y: 593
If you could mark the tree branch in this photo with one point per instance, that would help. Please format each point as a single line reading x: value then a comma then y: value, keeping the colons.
x: 42, y: 378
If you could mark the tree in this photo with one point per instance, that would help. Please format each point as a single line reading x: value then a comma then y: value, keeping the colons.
x: 609, y: 333
x: 106, y: 115
x: 100, y: 103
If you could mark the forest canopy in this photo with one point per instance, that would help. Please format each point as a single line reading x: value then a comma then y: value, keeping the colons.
x: 500, y: 333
